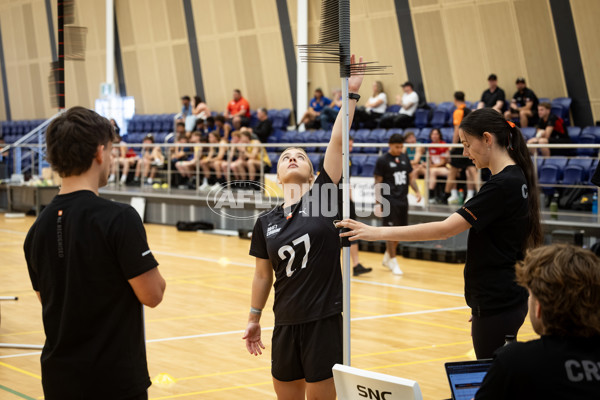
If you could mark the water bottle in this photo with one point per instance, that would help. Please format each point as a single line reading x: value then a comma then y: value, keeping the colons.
x: 461, y: 197
x: 595, y: 203
x: 554, y: 206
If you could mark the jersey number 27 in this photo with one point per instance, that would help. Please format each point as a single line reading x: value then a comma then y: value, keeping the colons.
x: 290, y: 250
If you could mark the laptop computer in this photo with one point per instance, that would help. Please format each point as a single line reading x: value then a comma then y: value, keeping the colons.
x: 353, y: 383
x: 465, y: 377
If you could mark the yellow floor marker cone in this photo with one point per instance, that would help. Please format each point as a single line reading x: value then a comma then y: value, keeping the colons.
x: 164, y: 380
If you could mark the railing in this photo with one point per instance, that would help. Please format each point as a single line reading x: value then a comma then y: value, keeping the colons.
x: 38, y: 149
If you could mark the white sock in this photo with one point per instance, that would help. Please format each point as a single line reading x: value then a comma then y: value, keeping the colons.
x: 454, y: 193
x: 204, y: 181
x: 386, y: 257
x: 470, y: 193
x: 123, y: 178
x: 150, y: 181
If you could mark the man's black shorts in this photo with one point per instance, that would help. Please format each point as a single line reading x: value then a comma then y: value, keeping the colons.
x: 307, y: 351
x: 398, y: 215
x: 458, y: 161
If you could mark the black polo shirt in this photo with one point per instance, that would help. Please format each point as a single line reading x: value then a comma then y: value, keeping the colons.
x: 490, y: 98
x: 527, y: 95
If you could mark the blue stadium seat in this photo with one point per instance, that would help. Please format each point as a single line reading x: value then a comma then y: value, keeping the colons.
x: 274, y: 157
x: 560, y: 162
x: 421, y: 117
x: 357, y: 162
x: 394, y: 108
x: 440, y: 116
x: 167, y: 124
x: 315, y: 158
x: 447, y: 134
x: 156, y: 123
x: 587, y: 138
x: 368, y: 166
x: 574, y: 133
x: 379, y: 135
x: 362, y: 136
x: 431, y: 105
x: 584, y: 162
x: 557, y: 110
x: 565, y: 102
x: 528, y: 132
x: 320, y: 134
x: 549, y: 175
x: 310, y: 137
x: 284, y: 116
x: 574, y: 175
x: 591, y: 172
x: 254, y: 119
x: 542, y: 100
x: 389, y: 133
x: 423, y: 135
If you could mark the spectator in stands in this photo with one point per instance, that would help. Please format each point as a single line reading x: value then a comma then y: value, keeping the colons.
x: 315, y: 106
x: 210, y: 124
x: 115, y: 126
x: 438, y: 158
x: 264, y: 128
x: 523, y: 104
x: 564, y: 292
x: 200, y: 126
x: 374, y: 108
x: 457, y: 161
x: 213, y: 160
x: 223, y: 129
x: 150, y: 160
x: 189, y: 157
x: 253, y: 156
x: 408, y: 103
x: 550, y: 129
x: 234, y: 166
x: 238, y: 107
x: 127, y: 161
x: 416, y: 155
x: 493, y: 97
x: 179, y: 129
x: 186, y: 109
x: 182, y: 153
x: 330, y: 112
x: 394, y: 170
x: 118, y: 152
x: 200, y: 110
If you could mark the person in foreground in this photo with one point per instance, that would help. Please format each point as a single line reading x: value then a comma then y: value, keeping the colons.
x: 298, y: 242
x: 91, y: 268
x: 564, y: 297
x: 504, y: 222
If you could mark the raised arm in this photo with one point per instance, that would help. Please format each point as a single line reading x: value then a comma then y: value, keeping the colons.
x: 333, y: 154
x: 439, y: 230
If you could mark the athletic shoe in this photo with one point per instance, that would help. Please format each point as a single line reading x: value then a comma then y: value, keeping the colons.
x: 111, y: 178
x: 468, y: 198
x: 453, y: 200
x: 386, y: 260
x: 204, y: 186
x: 215, y: 186
x: 359, y: 270
x: 395, y: 267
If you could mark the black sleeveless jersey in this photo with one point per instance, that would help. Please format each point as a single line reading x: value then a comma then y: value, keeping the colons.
x: 303, y: 246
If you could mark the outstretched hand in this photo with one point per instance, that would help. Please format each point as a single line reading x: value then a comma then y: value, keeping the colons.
x: 252, y: 337
x: 357, y: 74
x: 358, y: 230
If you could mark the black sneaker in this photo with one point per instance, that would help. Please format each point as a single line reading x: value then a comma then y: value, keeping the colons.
x: 359, y: 270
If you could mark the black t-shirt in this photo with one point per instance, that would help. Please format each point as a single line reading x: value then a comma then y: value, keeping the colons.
x: 263, y: 130
x: 499, y: 219
x: 558, y: 132
x: 80, y: 253
x: 547, y: 368
x: 303, y: 246
x: 395, y: 171
x: 490, y: 98
x: 523, y: 98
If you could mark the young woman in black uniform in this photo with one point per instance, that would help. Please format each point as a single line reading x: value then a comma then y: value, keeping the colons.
x: 299, y: 243
x: 504, y: 222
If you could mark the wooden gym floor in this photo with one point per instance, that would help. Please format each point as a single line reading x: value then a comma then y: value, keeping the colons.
x: 406, y: 326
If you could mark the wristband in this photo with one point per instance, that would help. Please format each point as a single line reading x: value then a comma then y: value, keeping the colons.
x: 256, y: 311
x: 354, y: 96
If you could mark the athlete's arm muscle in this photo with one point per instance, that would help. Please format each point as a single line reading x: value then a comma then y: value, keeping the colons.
x: 149, y: 287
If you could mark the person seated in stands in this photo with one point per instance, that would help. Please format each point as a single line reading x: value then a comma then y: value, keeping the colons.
x: 264, y: 128
x: 186, y: 109
x: 438, y: 158
x: 200, y: 109
x: 238, y: 107
x: 253, y: 156
x: 550, y: 129
x: 329, y: 113
x: 223, y: 129
x: 200, y: 126
x: 232, y: 167
x: 127, y: 161
x: 209, y: 124
x: 524, y: 104
x: 118, y: 152
x: 408, y: 106
x: 458, y: 162
x: 179, y: 129
x: 236, y: 123
x: 190, y: 156
x: 115, y: 126
x: 315, y: 106
x: 213, y: 161
x: 564, y: 363
x: 416, y: 155
x: 150, y: 160
x: 494, y: 96
x: 369, y: 115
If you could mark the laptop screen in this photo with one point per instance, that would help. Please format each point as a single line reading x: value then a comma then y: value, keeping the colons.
x: 465, y: 377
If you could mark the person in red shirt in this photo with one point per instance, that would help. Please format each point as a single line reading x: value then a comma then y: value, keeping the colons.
x: 438, y: 156
x: 238, y: 107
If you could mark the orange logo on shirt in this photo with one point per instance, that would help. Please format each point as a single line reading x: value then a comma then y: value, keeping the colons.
x: 60, y: 213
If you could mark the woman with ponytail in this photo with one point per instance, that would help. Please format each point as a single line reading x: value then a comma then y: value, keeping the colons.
x: 503, y: 221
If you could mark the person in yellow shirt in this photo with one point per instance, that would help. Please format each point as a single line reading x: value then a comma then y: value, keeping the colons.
x: 253, y: 156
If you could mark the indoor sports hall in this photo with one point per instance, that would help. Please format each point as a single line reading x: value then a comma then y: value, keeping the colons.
x: 204, y: 96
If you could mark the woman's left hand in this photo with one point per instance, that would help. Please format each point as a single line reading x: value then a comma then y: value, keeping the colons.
x: 357, y: 75
x: 358, y: 230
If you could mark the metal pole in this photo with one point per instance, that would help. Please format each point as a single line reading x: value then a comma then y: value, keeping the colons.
x: 302, y: 71
x: 61, y: 56
x: 110, y: 44
x: 346, y: 214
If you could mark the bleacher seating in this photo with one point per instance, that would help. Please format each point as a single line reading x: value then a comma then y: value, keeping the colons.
x: 528, y: 132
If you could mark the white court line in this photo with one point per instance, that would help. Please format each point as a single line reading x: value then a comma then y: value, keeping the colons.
x: 407, y: 288
x: 270, y: 328
x: 14, y: 232
x: 164, y: 253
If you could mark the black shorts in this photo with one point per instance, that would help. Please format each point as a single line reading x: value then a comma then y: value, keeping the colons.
x: 398, y: 215
x: 307, y: 351
x: 458, y: 161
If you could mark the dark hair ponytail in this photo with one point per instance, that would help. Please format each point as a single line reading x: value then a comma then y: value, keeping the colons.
x: 509, y: 137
